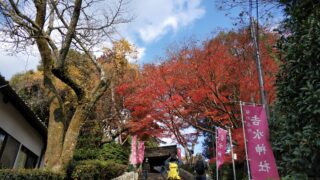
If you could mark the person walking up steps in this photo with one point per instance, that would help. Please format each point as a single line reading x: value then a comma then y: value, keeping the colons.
x: 146, y: 169
x: 200, y: 168
x: 173, y: 173
x: 172, y: 164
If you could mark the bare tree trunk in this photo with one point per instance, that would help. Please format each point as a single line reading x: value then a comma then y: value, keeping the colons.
x: 186, y: 151
x: 55, y: 137
x: 114, y: 111
x: 71, y: 137
x: 56, y: 126
x: 61, y: 140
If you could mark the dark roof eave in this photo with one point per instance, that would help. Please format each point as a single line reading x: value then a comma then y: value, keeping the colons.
x: 22, y: 107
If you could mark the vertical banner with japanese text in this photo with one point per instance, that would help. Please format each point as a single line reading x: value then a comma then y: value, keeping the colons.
x: 179, y: 153
x: 221, y: 144
x: 133, y: 157
x: 140, y: 152
x: 260, y: 155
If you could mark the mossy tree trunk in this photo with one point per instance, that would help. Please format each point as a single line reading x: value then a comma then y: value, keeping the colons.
x: 36, y: 26
x: 62, y: 136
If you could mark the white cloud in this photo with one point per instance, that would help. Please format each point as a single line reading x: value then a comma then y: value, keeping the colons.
x: 151, y: 32
x: 12, y: 62
x: 155, y: 18
x: 10, y: 65
x: 141, y: 52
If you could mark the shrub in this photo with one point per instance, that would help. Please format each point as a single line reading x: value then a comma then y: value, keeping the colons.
x: 96, y: 169
x: 297, y: 142
x: 29, y: 174
x: 86, y: 153
x: 93, y: 161
x: 226, y: 171
x: 115, y: 152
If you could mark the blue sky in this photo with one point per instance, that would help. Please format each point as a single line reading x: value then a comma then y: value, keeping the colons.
x: 203, y: 18
x: 199, y: 29
x: 157, y: 24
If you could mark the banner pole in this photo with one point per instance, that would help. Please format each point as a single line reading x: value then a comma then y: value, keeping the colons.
x: 217, y: 170
x: 245, y: 142
x: 231, y: 147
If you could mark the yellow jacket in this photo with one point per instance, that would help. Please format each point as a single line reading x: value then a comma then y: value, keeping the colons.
x: 173, y: 173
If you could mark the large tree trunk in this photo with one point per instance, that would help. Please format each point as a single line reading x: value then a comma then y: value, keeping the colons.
x: 61, y: 144
x: 71, y: 137
x: 61, y: 139
x: 56, y: 126
x: 55, y: 137
x: 62, y: 132
x: 186, y: 151
x: 56, y: 115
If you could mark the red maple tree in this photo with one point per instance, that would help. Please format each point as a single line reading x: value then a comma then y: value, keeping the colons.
x: 200, y: 87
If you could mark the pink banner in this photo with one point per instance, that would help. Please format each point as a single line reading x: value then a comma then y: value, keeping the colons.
x: 179, y: 153
x: 133, y: 158
x: 221, y: 143
x: 140, y: 152
x: 261, y: 159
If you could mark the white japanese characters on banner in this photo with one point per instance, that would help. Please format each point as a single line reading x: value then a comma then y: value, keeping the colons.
x: 221, y: 143
x: 260, y: 155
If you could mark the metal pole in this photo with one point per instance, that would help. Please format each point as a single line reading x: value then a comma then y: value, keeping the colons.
x: 217, y: 171
x: 245, y: 142
x: 254, y: 35
x: 213, y: 143
x: 231, y: 147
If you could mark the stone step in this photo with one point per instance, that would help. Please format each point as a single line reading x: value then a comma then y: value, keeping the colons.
x: 157, y: 176
x: 152, y: 176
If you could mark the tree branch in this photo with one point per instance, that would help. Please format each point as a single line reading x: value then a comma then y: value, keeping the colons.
x: 59, y: 70
x: 70, y: 34
x: 17, y: 11
x: 7, y: 12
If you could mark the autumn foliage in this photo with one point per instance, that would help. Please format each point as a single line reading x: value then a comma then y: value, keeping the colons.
x: 200, y: 86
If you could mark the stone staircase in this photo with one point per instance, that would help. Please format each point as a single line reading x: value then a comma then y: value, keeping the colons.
x: 152, y: 176
x: 157, y: 176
